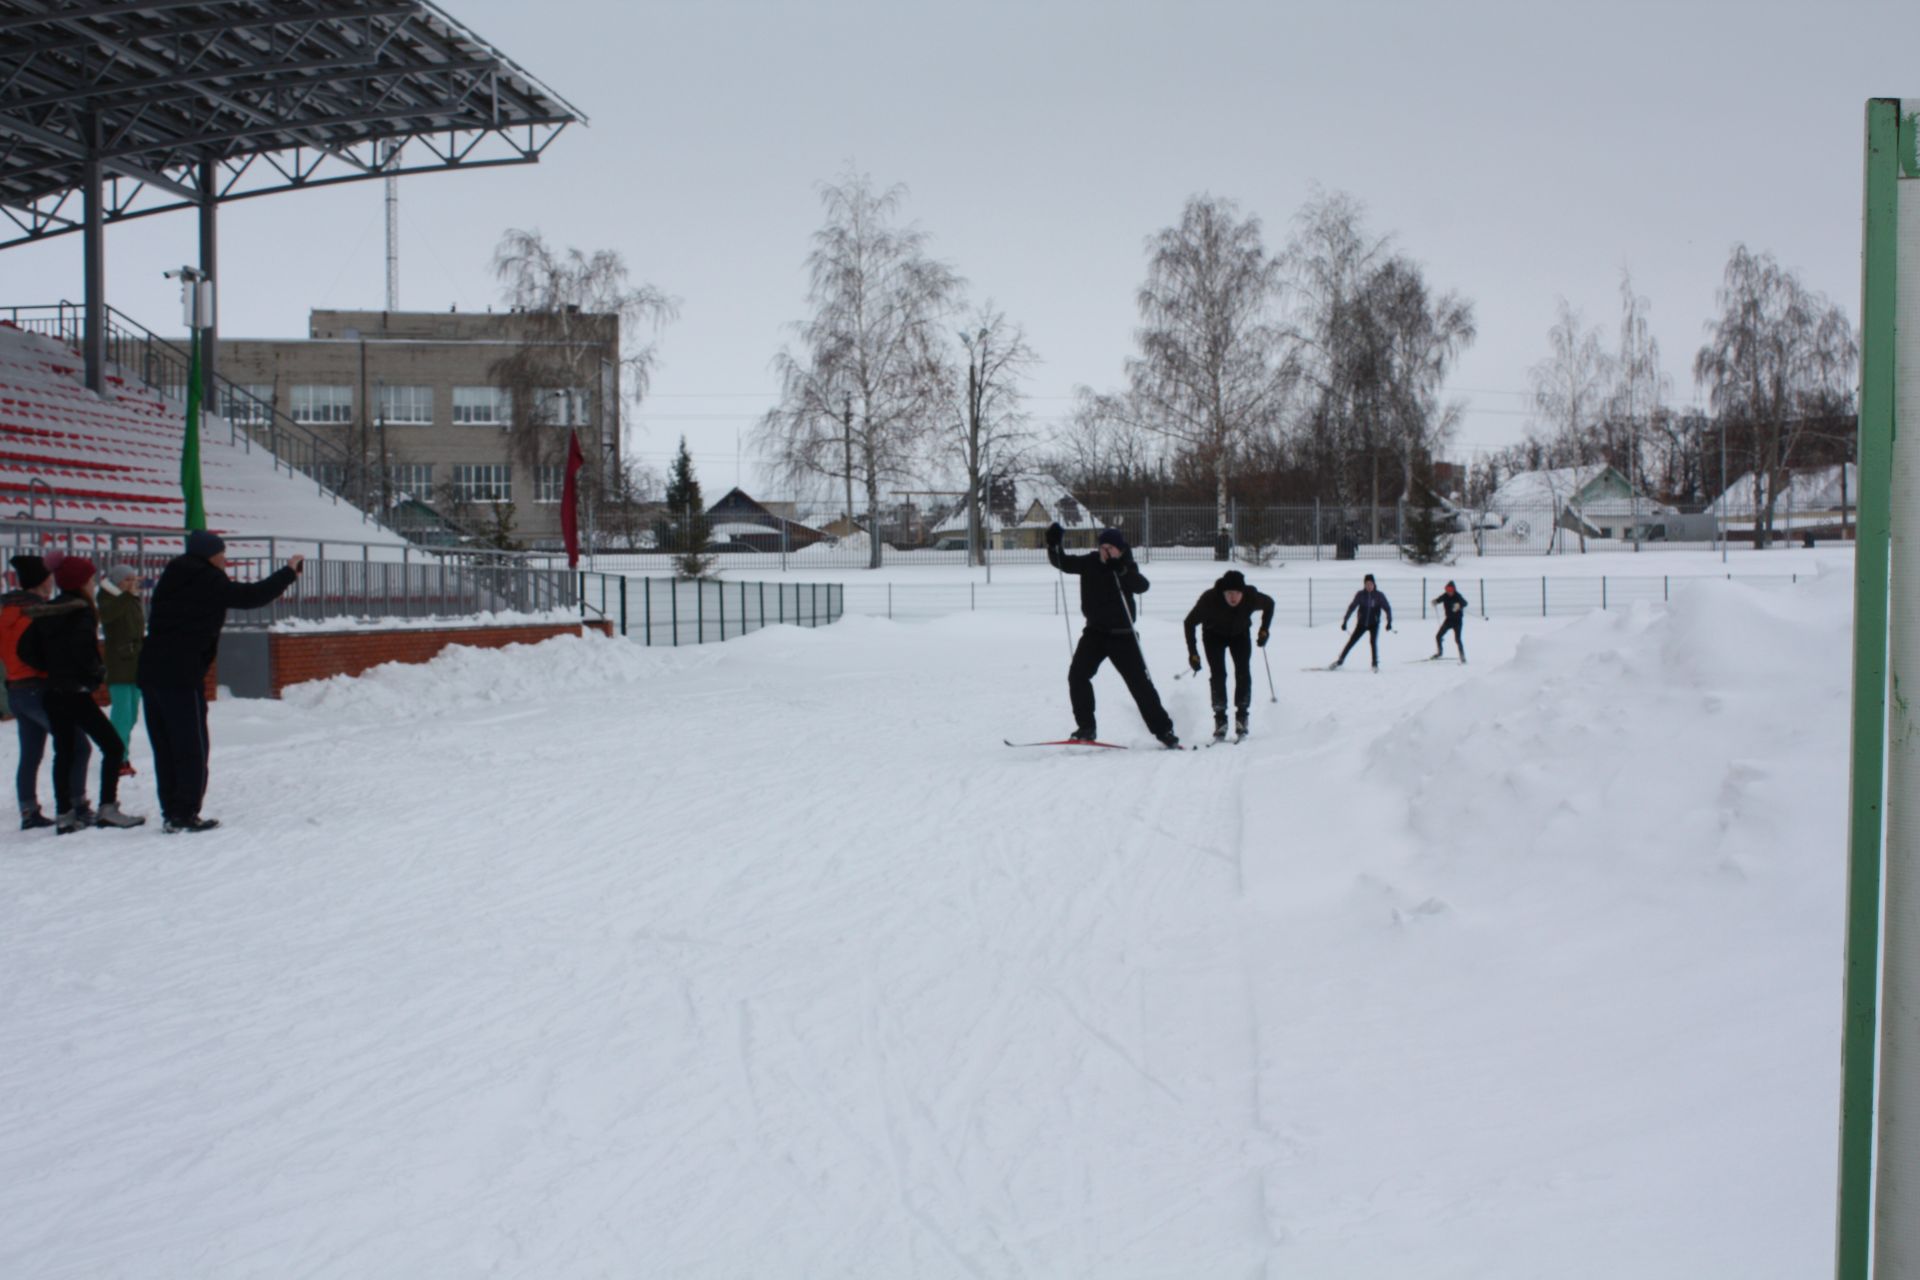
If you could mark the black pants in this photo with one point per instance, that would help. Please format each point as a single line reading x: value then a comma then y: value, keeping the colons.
x: 1372, y: 634
x: 1123, y: 649
x: 1218, y: 646
x: 1453, y: 624
x: 75, y: 717
x: 177, y: 728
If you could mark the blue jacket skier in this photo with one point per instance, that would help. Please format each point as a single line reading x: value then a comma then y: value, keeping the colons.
x: 1371, y: 606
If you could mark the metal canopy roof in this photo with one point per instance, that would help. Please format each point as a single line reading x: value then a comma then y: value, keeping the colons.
x: 179, y: 100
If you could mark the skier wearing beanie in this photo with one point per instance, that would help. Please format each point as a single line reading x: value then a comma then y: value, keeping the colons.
x: 1224, y: 615
x: 1109, y: 581
x: 27, y: 690
x: 188, y: 609
x: 1453, y: 616
x: 1369, y: 603
x: 63, y: 641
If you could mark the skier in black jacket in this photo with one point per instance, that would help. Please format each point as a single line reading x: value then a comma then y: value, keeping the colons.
x: 1453, y: 614
x: 1224, y: 614
x: 184, y: 618
x: 1370, y: 605
x: 1109, y: 581
x: 63, y: 640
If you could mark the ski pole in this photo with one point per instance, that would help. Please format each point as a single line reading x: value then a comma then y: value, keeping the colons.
x: 1271, y: 695
x: 1064, y: 620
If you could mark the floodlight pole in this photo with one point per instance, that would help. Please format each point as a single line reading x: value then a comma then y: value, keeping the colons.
x: 93, y: 254
x: 209, y: 257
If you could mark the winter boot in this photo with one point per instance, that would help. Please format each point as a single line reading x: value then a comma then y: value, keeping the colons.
x: 1082, y: 735
x: 67, y: 823
x: 1170, y: 740
x: 190, y: 826
x: 1240, y: 723
x: 33, y: 820
x: 1219, y: 723
x: 83, y: 810
x: 110, y: 816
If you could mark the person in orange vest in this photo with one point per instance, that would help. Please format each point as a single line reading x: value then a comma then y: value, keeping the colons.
x: 26, y: 691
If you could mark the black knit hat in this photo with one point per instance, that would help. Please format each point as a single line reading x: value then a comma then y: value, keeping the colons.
x: 1114, y: 538
x: 1232, y: 580
x: 32, y: 571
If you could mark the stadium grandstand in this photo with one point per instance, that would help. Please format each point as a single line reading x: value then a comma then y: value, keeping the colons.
x: 111, y: 111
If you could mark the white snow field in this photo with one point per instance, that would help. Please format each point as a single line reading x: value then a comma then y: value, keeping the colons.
x: 767, y: 959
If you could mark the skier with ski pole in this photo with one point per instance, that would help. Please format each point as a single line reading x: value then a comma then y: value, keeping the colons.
x: 1453, y: 615
x: 1370, y: 604
x: 1224, y: 616
x: 1109, y: 583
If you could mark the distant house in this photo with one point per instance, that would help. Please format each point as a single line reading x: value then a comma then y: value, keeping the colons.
x: 1822, y: 500
x: 1594, y: 501
x: 737, y: 518
x: 1019, y: 509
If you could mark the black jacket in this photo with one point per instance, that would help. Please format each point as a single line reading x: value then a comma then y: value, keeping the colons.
x: 63, y: 640
x: 1107, y: 587
x: 1212, y: 612
x: 1370, y: 604
x: 1452, y: 606
x: 184, y: 618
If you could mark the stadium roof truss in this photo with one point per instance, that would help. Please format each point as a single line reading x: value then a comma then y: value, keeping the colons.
x: 156, y: 105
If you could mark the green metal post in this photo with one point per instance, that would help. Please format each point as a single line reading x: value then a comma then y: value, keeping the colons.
x: 1866, y: 790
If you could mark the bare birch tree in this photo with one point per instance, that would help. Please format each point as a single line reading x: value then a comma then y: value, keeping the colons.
x: 1330, y: 261
x: 990, y: 425
x: 1212, y: 369
x: 1570, y: 387
x: 1639, y: 389
x: 1777, y: 360
x: 867, y: 384
x: 566, y: 306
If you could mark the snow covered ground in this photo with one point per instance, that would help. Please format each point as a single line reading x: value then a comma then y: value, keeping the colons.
x: 767, y: 959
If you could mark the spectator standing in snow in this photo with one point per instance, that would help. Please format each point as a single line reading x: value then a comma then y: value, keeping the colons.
x: 1371, y: 606
x: 1109, y: 583
x: 27, y: 688
x: 189, y: 608
x: 124, y: 624
x: 1224, y: 615
x: 1453, y: 616
x: 63, y: 640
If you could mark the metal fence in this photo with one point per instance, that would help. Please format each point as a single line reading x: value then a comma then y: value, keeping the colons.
x: 676, y: 611
x: 788, y: 537
x: 1305, y: 602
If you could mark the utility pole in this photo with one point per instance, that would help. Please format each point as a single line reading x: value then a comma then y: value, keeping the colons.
x: 388, y: 151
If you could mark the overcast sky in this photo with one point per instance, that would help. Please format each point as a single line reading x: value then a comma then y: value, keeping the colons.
x: 1519, y: 152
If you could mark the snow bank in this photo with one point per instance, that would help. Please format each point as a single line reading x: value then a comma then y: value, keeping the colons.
x: 461, y: 676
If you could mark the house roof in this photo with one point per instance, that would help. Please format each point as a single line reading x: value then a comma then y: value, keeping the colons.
x: 1582, y: 488
x: 1038, y: 500
x: 1809, y: 489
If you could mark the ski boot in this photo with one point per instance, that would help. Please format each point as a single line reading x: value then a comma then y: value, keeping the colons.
x: 1170, y: 740
x: 1239, y: 724
x: 1219, y: 724
x: 1082, y: 735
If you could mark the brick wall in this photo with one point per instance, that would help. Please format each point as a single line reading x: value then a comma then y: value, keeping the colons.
x: 297, y: 657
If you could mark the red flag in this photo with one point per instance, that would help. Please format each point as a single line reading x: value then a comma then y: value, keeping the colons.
x: 569, y: 496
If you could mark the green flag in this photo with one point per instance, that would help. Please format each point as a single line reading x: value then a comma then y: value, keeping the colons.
x: 190, y: 452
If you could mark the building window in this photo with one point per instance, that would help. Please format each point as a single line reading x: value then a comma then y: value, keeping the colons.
x: 549, y: 484
x: 406, y: 405
x: 414, y: 479
x: 481, y: 406
x: 322, y: 403
x: 561, y: 406
x: 251, y: 403
x: 483, y: 482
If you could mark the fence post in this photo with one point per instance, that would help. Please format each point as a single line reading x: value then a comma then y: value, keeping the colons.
x: 1423, y: 598
x: 1146, y: 523
x: 623, y: 606
x: 889, y: 602
x: 1483, y: 599
x: 673, y: 600
x: 1603, y: 592
x: 972, y: 605
x: 813, y: 605
x: 720, y: 601
x: 1310, y: 589
x: 1666, y: 588
x: 763, y: 605
x: 1543, y: 595
x: 1316, y: 533
x: 699, y: 611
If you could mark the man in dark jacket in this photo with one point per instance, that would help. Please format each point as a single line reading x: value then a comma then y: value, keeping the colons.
x: 1224, y: 615
x: 184, y: 618
x: 1370, y: 605
x: 27, y: 689
x: 1453, y: 615
x: 1109, y: 581
x: 63, y: 640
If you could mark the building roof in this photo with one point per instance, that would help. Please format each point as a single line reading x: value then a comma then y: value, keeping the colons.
x: 1024, y: 502
x: 1807, y: 489
x: 1594, y: 490
x: 180, y: 102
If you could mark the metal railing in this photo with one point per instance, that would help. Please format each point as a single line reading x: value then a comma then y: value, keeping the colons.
x: 676, y: 611
x: 167, y: 368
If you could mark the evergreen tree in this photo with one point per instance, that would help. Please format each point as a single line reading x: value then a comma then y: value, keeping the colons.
x: 686, y: 524
x: 1426, y: 538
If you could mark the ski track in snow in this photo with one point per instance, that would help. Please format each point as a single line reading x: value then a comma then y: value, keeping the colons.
x: 769, y: 959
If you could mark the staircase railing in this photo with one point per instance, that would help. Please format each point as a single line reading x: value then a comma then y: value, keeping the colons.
x: 167, y: 368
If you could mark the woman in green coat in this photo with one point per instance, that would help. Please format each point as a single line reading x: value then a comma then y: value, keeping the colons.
x: 125, y: 623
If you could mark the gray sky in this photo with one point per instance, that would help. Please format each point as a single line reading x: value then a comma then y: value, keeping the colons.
x: 1519, y: 152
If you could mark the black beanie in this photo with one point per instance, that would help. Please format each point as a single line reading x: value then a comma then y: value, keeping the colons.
x: 32, y: 571
x: 1232, y: 580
